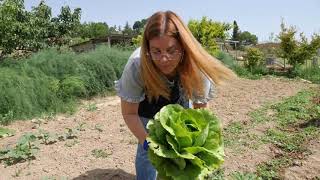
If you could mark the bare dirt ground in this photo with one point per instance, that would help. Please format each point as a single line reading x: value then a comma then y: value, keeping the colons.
x: 104, y: 129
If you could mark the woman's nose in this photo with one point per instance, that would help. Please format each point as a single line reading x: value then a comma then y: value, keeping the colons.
x: 164, y: 57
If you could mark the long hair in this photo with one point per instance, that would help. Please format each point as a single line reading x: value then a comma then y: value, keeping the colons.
x: 195, y: 59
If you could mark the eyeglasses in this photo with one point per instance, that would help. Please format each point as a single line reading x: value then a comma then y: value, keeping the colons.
x: 170, y: 55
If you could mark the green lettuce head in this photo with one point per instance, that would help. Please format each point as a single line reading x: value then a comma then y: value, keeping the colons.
x: 185, y: 143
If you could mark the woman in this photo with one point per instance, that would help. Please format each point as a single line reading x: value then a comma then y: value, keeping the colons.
x: 171, y: 67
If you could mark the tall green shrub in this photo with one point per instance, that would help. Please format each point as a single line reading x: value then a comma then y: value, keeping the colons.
x: 51, y: 81
x: 254, y: 58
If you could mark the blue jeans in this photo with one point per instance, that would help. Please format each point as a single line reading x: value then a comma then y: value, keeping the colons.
x: 144, y: 168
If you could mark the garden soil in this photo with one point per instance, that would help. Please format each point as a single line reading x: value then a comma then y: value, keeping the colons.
x: 99, y: 127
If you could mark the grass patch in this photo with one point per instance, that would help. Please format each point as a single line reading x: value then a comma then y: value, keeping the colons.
x: 270, y: 169
x: 297, y: 119
x: 297, y: 108
x: 244, y: 176
x: 238, y: 137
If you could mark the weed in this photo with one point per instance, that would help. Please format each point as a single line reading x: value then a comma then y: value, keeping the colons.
x: 98, y: 127
x: 100, y: 153
x: 270, y: 169
x: 46, y: 137
x: 81, y: 126
x: 92, y: 107
x: 71, y: 143
x: 244, y: 176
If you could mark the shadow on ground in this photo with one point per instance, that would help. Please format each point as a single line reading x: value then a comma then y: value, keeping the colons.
x: 106, y: 174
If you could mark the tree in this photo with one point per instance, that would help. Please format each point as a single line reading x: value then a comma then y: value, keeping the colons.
x: 235, y: 32
x: 93, y: 29
x: 31, y: 31
x: 113, y: 30
x: 254, y: 57
x: 40, y: 21
x: 119, y: 29
x: 248, y: 38
x: 138, y: 26
x: 65, y: 26
x: 127, y: 30
x: 294, y: 51
x: 206, y: 31
x: 14, y: 31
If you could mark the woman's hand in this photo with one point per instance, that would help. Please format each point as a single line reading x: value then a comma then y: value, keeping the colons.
x: 197, y: 106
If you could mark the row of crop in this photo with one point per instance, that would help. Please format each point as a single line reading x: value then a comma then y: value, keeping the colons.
x: 50, y: 81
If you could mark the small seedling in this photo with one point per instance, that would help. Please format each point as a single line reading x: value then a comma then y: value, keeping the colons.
x: 71, y: 143
x: 46, y: 137
x: 81, y: 126
x: 92, y: 107
x: 70, y: 133
x: 98, y: 127
x: 24, y: 150
x: 100, y: 153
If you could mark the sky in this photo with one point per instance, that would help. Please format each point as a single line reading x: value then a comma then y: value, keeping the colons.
x: 256, y: 16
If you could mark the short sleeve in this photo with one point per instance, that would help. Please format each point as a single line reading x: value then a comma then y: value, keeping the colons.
x: 208, y: 92
x: 130, y: 86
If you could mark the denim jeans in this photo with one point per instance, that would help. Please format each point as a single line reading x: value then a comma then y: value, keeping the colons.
x: 144, y: 168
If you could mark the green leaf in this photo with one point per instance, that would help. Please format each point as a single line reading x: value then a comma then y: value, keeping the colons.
x: 185, y: 143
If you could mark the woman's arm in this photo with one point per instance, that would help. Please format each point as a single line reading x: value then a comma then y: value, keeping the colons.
x: 131, y: 118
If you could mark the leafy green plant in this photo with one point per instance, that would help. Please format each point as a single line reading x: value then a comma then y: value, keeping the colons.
x: 98, y: 127
x: 185, y: 143
x: 69, y: 134
x: 244, y: 176
x: 254, y: 58
x: 100, y: 153
x: 81, y: 126
x: 72, y: 86
x: 46, y: 137
x: 92, y: 107
x: 24, y: 150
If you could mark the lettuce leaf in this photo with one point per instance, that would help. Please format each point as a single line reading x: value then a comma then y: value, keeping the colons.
x: 185, y: 143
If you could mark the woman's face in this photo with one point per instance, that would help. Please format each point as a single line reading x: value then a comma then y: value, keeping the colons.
x: 166, y: 53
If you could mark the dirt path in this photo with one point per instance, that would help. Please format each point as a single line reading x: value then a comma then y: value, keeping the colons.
x: 104, y: 129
